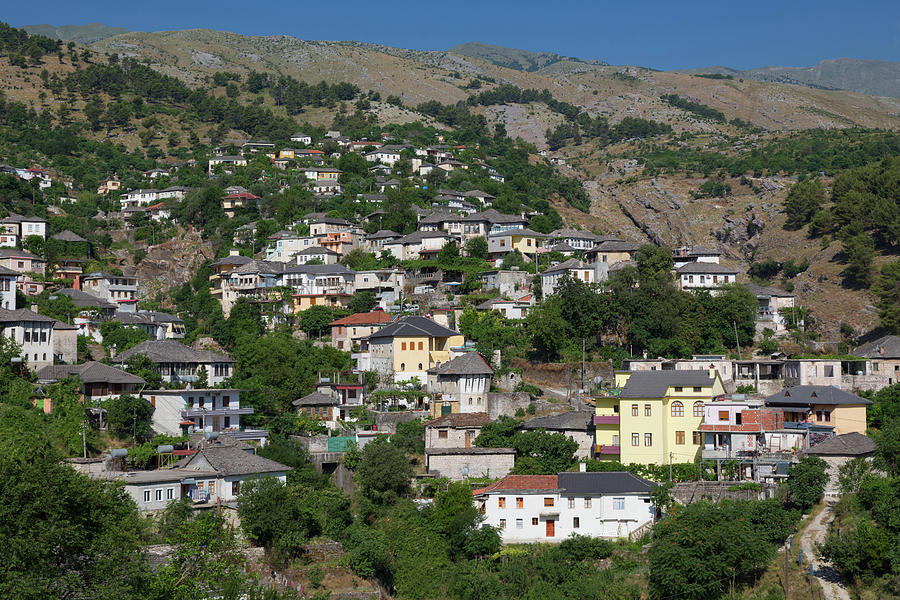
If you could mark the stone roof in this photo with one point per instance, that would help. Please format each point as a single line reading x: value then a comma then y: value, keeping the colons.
x: 653, y: 384
x: 775, y: 292
x: 807, y: 395
x: 523, y: 231
x: 83, y: 299
x: 68, y: 236
x: 316, y: 399
x: 383, y: 234
x: 5, y: 271
x: 573, y: 233
x: 575, y: 420
x: 167, y: 351
x: 413, y: 326
x: 493, y: 216
x: 477, y: 419
x: 229, y: 460
x: 232, y: 260
x: 13, y: 253
x: 470, y: 363
x: 313, y: 250
x: 89, y: 372
x: 848, y: 444
x: 610, y: 482
x: 335, y: 269
x: 884, y: 347
x: 615, y: 246
x: 22, y: 314
x: 478, y: 194
x: 572, y: 263
x: 562, y: 247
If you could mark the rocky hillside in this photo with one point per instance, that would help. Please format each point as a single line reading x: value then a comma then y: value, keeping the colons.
x: 80, y: 34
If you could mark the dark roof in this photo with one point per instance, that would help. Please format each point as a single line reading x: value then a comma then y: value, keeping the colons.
x: 22, y: 314
x: 704, y: 267
x: 615, y: 246
x: 316, y: 250
x: 493, y: 216
x: 89, y: 372
x: 440, y: 217
x: 166, y: 351
x: 478, y: 194
x: 83, y: 299
x: 573, y: 233
x: 807, y: 395
x: 229, y: 460
x: 653, y: 384
x: 848, y: 444
x: 316, y: 399
x: 5, y: 271
x: 232, y: 260
x: 884, y: 347
x: 331, y: 220
x: 478, y: 419
x: 413, y: 326
x: 13, y: 253
x: 575, y: 420
x: 260, y: 266
x: 523, y: 231
x: 68, y: 236
x: 562, y: 247
x: 470, y: 363
x: 145, y: 317
x: 572, y: 263
x: 383, y: 234
x: 336, y: 269
x: 760, y: 290
x: 610, y: 482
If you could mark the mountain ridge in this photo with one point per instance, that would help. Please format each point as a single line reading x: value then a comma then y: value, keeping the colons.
x: 80, y: 34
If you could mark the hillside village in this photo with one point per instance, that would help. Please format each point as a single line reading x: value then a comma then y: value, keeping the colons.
x: 416, y: 297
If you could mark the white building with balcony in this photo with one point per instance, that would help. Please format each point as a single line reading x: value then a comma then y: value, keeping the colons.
x: 205, y: 410
x: 177, y: 363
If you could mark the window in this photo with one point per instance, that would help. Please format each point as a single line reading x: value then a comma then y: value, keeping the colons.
x: 635, y: 439
x: 158, y: 495
x: 442, y: 434
x: 534, y: 520
x: 502, y: 523
x: 501, y: 502
x: 571, y: 502
x: 634, y: 410
x: 648, y: 410
x: 698, y: 409
x: 697, y: 438
x: 227, y: 422
x: 737, y: 418
x: 678, y: 388
x: 576, y: 523
x: 226, y: 401
x: 146, y: 495
x: 827, y: 415
x: 723, y: 416
x: 519, y: 523
x: 548, y: 501
x: 677, y: 409
x: 587, y: 502
x: 520, y: 502
x: 679, y: 438
x: 402, y: 366
x: 648, y: 439
x: 697, y: 388
x: 618, y: 503
x: 420, y: 366
x: 170, y: 493
x: 403, y: 345
x: 615, y: 440
x: 829, y: 371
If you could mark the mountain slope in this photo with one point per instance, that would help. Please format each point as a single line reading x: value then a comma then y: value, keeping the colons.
x: 512, y: 58
x: 80, y: 34
x: 873, y: 77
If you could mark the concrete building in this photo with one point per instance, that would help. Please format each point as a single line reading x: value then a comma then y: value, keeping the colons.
x: 120, y: 290
x: 704, y: 276
x: 8, y: 288
x: 34, y: 334
x: 572, y: 268
x: 351, y: 330
x: 884, y: 356
x: 318, y: 285
x: 828, y: 408
x: 509, y: 283
x: 203, y: 410
x: 551, y: 508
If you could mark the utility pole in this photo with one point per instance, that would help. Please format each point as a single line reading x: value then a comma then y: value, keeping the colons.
x: 670, y: 466
x: 84, y: 439
x: 787, y: 562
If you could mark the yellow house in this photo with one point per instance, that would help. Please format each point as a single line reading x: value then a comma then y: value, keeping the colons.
x: 525, y: 241
x: 822, y: 407
x: 410, y: 346
x: 656, y: 417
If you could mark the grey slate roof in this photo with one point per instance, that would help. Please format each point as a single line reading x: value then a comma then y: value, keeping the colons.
x: 83, y: 299
x: 572, y: 263
x: 166, y: 351
x: 260, y: 266
x: 13, y: 253
x: 612, y: 482
x: 148, y: 317
x: 228, y: 461
x: 68, y: 236
x: 316, y: 399
x: 5, y: 271
x: 22, y: 314
x: 413, y: 326
x: 575, y: 420
x: 232, y: 260
x: 523, y: 231
x: 493, y: 216
x: 760, y: 290
x: 615, y: 246
x: 704, y: 268
x: 567, y: 232
x: 653, y: 384
x: 478, y: 194
x: 336, y: 269
x: 562, y: 247
x: 848, y: 444
x: 470, y: 363
x: 313, y: 250
x: 383, y: 234
x: 807, y: 395
x: 477, y: 419
x: 89, y: 372
x: 884, y: 347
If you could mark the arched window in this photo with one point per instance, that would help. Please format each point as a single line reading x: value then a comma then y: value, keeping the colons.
x: 420, y: 366
x: 698, y: 409
x: 402, y: 366
x: 677, y: 409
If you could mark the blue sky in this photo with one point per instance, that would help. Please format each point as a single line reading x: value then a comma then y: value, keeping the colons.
x: 662, y: 35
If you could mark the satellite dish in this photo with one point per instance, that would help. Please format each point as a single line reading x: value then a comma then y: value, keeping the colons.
x: 465, y: 471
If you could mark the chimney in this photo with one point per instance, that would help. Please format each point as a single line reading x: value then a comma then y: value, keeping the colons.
x: 234, y: 252
x: 582, y: 467
x: 77, y: 283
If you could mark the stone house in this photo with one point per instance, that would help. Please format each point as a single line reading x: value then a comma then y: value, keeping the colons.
x: 349, y: 331
x: 177, y: 363
x: 459, y: 385
x: 456, y: 430
x: 458, y: 464
x: 839, y: 450
x: 884, y: 355
x: 578, y: 425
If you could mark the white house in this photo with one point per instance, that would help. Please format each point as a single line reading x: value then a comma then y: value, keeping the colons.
x: 551, y: 508
x: 233, y: 467
x: 7, y: 288
x: 696, y: 276
x: 136, y: 198
x: 178, y: 363
x: 301, y: 138
x: 205, y: 410
x: 33, y: 333
x: 387, y: 155
x: 573, y: 268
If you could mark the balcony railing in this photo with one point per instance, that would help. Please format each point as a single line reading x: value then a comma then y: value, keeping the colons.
x: 606, y: 419
x: 216, y: 412
x: 603, y: 449
x: 726, y: 453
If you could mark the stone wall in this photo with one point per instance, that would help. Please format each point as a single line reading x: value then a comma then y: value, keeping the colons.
x: 506, y: 403
x: 386, y: 422
x: 694, y: 491
x: 479, y: 465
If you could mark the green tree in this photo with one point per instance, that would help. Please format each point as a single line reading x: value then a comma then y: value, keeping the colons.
x: 887, y: 289
x: 315, y: 320
x: 806, y: 482
x: 363, y: 302
x: 860, y: 251
x: 803, y: 201
x: 384, y: 471
x: 93, y: 112
x: 278, y: 516
x: 121, y: 337
x: 477, y: 247
x: 545, y: 324
x: 887, y: 447
x: 129, y: 416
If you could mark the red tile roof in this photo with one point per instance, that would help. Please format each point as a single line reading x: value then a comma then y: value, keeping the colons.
x: 370, y: 318
x: 521, y: 482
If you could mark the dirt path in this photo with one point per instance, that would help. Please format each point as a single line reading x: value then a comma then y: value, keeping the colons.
x: 828, y: 577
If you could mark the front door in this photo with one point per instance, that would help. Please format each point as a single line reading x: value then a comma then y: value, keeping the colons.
x: 468, y: 439
x: 551, y: 528
x: 216, y: 424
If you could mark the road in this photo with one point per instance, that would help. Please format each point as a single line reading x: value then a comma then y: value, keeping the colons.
x: 827, y: 576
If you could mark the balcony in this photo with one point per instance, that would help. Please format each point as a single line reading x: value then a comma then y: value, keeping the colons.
x: 215, y: 412
x: 602, y: 449
x: 762, y: 454
x: 606, y: 419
